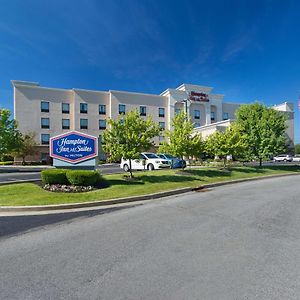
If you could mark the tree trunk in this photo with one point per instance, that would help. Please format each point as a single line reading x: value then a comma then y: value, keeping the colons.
x: 23, y: 160
x: 182, y: 166
x: 260, y: 161
x: 224, y: 162
x: 130, y: 170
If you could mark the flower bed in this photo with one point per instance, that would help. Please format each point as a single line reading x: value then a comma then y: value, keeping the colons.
x: 62, y: 188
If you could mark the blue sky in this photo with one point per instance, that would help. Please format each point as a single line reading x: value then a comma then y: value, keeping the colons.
x: 247, y: 50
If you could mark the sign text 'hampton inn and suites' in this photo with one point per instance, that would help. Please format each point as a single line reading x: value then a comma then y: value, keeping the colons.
x: 74, y: 147
x: 198, y: 97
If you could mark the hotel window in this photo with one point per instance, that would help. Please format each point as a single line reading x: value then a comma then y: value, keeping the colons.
x: 225, y: 116
x: 143, y: 111
x: 196, y: 125
x: 161, y: 139
x: 45, y: 123
x: 83, y: 108
x: 177, y: 111
x: 44, y: 157
x: 65, y: 123
x: 121, y: 121
x: 162, y: 125
x: 196, y: 114
x: 122, y: 109
x: 102, y: 124
x: 45, y: 138
x: 44, y: 106
x: 83, y: 123
x: 102, y: 109
x: 212, y: 116
x: 65, y: 108
x: 161, y: 112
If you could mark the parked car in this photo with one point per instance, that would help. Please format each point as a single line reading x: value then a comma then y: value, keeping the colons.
x: 282, y: 157
x: 296, y: 158
x: 174, y: 161
x: 146, y: 161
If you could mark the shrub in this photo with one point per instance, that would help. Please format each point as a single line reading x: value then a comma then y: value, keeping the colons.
x: 83, y: 178
x: 54, y: 176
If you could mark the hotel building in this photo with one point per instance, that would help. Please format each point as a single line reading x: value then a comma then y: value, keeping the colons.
x: 52, y: 111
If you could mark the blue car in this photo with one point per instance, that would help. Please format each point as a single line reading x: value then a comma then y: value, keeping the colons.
x: 174, y: 161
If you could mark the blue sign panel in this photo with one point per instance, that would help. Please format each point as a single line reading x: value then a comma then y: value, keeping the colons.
x: 73, y: 147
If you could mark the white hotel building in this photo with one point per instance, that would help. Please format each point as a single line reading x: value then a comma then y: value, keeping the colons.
x: 52, y: 111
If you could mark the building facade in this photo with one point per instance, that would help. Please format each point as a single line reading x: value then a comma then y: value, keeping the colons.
x: 51, y: 111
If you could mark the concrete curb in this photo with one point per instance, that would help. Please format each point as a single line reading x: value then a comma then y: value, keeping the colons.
x: 94, y: 204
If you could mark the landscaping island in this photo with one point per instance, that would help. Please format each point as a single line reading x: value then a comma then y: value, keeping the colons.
x: 145, y: 183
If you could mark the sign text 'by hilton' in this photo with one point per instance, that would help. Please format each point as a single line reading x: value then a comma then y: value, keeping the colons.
x: 73, y: 147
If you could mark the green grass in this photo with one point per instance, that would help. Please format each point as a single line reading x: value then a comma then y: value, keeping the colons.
x: 146, y: 183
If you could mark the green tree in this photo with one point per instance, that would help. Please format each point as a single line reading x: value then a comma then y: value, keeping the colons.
x: 128, y: 136
x: 180, y: 140
x: 297, y: 149
x: 229, y: 142
x: 10, y: 137
x: 27, y: 146
x: 264, y: 129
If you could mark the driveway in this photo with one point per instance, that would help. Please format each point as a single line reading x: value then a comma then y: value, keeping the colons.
x: 233, y: 242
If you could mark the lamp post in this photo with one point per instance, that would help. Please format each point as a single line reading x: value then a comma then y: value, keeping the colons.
x: 185, y: 101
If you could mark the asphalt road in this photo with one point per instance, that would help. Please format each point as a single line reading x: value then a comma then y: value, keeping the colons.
x: 28, y: 174
x: 234, y: 242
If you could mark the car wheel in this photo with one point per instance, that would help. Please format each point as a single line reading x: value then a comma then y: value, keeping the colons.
x: 285, y: 160
x: 150, y: 167
x: 126, y: 168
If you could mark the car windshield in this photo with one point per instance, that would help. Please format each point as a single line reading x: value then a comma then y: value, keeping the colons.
x: 169, y: 156
x: 151, y: 155
x: 161, y: 155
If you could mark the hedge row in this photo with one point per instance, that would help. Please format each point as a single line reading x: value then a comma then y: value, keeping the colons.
x: 71, y: 177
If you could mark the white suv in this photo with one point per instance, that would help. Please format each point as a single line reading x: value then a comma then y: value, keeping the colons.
x: 146, y: 161
x: 283, y: 157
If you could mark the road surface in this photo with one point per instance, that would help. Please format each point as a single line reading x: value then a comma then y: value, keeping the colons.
x: 233, y: 242
x: 24, y: 174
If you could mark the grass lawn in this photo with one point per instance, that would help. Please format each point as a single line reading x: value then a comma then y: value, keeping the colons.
x: 146, y: 183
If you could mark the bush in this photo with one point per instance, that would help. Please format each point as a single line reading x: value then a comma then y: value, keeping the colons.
x: 83, y: 178
x: 54, y: 176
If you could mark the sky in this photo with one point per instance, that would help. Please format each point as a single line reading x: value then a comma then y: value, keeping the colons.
x: 246, y: 50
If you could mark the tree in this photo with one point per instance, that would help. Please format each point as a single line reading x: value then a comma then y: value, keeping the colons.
x: 264, y: 129
x: 27, y: 147
x: 180, y: 141
x: 297, y: 149
x: 229, y: 142
x: 10, y: 137
x: 128, y: 136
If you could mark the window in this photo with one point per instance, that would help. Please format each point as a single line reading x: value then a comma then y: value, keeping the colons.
x: 45, y: 138
x: 197, y: 114
x: 121, y: 121
x: 65, y: 108
x: 143, y: 111
x: 177, y: 111
x: 102, y: 124
x: 225, y: 116
x: 161, y: 139
x: 83, y: 123
x: 196, y: 125
x: 83, y: 108
x: 45, y: 123
x: 44, y: 106
x: 162, y: 125
x: 102, y: 109
x: 44, y: 157
x: 212, y: 116
x: 65, y: 123
x: 161, y: 112
x: 122, y: 109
